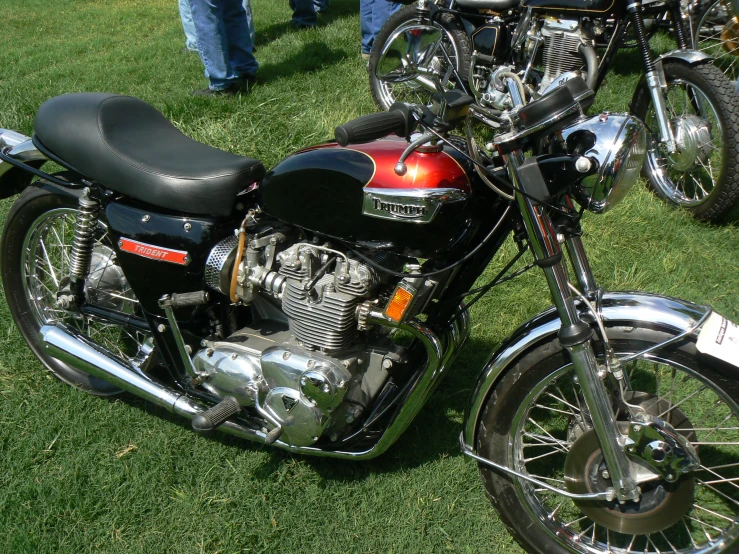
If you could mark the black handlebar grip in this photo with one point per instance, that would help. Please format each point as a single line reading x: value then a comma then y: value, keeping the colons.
x: 372, y: 127
x: 185, y: 299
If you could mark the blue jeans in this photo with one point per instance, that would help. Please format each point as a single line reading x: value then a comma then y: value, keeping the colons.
x: 304, y: 11
x: 224, y: 42
x: 372, y: 16
x: 191, y: 39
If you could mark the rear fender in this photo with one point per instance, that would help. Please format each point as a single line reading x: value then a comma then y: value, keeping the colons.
x: 20, y: 147
x: 659, y: 312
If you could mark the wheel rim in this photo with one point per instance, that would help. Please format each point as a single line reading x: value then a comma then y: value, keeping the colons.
x: 415, y: 91
x: 45, y: 268
x: 690, y: 176
x: 717, y: 34
x: 543, y: 432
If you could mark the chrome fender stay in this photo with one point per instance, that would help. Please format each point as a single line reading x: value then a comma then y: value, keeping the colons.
x: 670, y: 314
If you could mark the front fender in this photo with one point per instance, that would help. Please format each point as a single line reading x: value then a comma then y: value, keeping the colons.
x: 660, y: 312
x: 690, y: 57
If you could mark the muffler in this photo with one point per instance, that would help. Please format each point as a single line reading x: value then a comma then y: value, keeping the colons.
x: 64, y: 344
x: 76, y: 351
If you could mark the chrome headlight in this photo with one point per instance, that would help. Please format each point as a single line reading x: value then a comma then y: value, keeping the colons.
x: 617, y: 143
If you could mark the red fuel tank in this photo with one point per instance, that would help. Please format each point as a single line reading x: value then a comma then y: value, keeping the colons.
x: 354, y: 193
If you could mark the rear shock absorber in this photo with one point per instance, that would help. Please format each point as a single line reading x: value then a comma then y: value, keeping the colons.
x: 82, y: 245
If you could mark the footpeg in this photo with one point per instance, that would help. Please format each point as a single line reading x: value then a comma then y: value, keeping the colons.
x: 273, y: 435
x: 205, y: 422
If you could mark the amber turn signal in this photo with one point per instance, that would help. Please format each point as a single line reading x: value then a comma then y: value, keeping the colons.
x: 399, y: 303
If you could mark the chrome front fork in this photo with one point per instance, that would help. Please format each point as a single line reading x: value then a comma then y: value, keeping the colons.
x: 575, y: 335
x: 655, y: 75
x: 656, y: 85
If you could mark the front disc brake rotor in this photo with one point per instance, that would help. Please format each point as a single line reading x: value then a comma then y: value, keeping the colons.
x: 661, y: 504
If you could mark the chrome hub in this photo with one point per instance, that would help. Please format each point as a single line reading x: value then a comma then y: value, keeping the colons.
x: 694, y: 143
x: 106, y: 285
x: 730, y: 37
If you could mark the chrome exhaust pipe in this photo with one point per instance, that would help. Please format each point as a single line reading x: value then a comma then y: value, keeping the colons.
x: 76, y: 351
x: 64, y: 344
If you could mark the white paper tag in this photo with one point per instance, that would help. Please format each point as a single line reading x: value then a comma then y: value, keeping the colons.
x: 720, y: 338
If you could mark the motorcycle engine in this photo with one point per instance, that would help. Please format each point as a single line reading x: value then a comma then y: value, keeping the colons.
x: 306, y: 363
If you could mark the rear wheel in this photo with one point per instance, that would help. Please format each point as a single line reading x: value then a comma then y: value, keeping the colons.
x: 536, y: 421
x: 35, y: 256
x: 454, y: 41
x: 703, y: 111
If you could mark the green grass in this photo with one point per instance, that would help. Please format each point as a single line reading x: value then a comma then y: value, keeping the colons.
x: 81, y: 474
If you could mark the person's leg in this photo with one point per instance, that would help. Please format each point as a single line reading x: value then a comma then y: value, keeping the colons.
x: 320, y: 6
x: 191, y: 41
x: 250, y: 22
x: 212, y: 44
x: 381, y: 12
x: 240, y: 58
x: 365, y: 24
x: 304, y: 14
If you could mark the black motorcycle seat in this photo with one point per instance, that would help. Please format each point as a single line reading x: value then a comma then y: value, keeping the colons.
x: 129, y: 147
x: 488, y: 4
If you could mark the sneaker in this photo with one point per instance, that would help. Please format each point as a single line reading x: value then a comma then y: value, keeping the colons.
x: 365, y: 57
x: 231, y: 90
x: 246, y: 82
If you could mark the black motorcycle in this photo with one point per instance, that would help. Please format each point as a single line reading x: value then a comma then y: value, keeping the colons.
x: 689, y: 107
x: 316, y: 307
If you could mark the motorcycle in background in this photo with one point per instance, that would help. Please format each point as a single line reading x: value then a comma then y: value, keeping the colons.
x: 715, y: 31
x: 690, y: 109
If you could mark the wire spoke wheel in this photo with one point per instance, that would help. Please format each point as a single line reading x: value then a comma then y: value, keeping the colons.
x: 553, y: 418
x: 45, y: 263
x: 702, y: 109
x: 452, y: 46
x: 538, y: 423
x: 690, y: 175
x: 716, y: 32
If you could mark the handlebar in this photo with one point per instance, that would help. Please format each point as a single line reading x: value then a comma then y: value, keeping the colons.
x: 398, y: 120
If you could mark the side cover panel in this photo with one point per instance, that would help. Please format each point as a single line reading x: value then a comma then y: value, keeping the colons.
x: 148, y: 272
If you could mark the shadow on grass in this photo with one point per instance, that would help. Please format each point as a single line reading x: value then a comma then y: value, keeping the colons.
x: 337, y: 11
x: 313, y: 56
x: 432, y: 435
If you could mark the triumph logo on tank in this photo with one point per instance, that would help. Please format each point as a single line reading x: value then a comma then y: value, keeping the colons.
x: 400, y: 210
x: 412, y: 205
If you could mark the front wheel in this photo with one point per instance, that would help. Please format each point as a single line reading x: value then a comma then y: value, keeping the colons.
x: 536, y: 421
x: 703, y: 111
x: 453, y: 40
